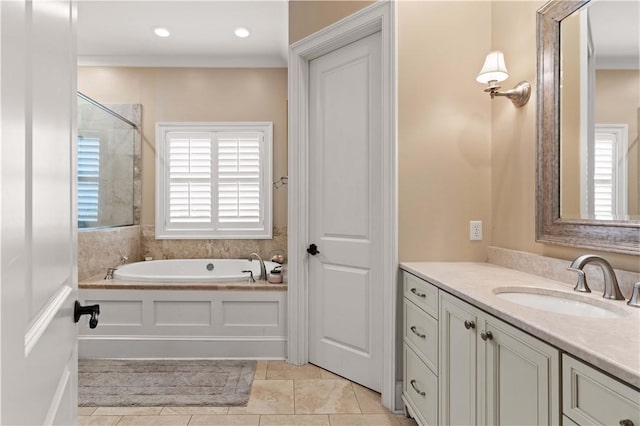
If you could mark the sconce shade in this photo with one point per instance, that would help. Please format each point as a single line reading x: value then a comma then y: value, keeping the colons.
x: 493, y: 69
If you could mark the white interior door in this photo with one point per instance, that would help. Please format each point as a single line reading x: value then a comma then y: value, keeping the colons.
x: 38, y: 279
x: 345, y: 219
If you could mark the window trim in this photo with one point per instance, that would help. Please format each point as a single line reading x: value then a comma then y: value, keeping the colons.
x: 210, y: 233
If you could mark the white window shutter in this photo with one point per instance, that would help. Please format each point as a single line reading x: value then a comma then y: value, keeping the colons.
x: 214, y: 180
x: 88, y: 179
x: 190, y: 178
x: 239, y: 176
x: 603, y: 178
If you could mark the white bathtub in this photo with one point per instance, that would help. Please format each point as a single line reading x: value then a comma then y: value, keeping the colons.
x: 190, y: 270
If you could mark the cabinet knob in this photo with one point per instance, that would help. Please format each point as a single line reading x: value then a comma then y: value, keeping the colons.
x: 417, y: 293
x: 486, y: 335
x: 415, y: 388
x: 626, y: 422
x: 415, y: 331
x: 469, y: 324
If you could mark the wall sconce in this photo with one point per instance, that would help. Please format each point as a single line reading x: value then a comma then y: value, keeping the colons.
x: 494, y: 71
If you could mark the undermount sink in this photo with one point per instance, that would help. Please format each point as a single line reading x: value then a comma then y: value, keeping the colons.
x: 558, y: 302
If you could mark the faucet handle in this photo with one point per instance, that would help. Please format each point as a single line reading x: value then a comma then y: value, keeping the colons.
x: 581, y: 285
x: 635, y: 296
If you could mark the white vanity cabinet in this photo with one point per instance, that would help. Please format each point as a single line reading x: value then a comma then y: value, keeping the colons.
x: 590, y: 397
x: 493, y: 373
x: 474, y: 369
x: 420, y: 349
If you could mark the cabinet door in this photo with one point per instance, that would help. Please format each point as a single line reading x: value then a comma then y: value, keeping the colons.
x: 519, y: 374
x: 457, y: 372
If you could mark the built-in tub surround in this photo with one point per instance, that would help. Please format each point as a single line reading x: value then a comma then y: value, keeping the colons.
x: 212, y: 249
x: 608, y: 344
x: 101, y: 249
x: 556, y: 269
x: 184, y: 320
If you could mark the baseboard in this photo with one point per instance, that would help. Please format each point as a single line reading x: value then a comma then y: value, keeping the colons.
x: 182, y: 347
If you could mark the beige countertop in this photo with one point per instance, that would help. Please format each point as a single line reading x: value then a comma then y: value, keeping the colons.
x: 99, y: 283
x: 611, y: 344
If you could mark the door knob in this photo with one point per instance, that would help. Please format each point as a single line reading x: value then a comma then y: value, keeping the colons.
x: 313, y: 250
x: 93, y: 310
x: 486, y: 335
x: 469, y: 324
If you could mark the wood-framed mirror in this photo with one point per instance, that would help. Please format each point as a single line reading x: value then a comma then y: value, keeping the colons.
x: 618, y: 234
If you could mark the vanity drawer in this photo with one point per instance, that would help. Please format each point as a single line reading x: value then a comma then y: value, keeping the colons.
x: 420, y: 387
x: 420, y: 292
x: 590, y: 397
x: 421, y: 332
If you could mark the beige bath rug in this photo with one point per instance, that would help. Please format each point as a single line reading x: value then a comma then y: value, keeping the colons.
x: 164, y: 383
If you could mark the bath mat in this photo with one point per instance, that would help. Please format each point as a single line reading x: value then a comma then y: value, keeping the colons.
x: 164, y: 383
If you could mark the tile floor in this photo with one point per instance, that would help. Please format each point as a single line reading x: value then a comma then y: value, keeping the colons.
x: 281, y: 394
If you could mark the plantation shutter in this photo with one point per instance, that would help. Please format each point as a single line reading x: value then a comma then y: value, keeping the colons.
x: 214, y: 180
x: 239, y: 176
x: 604, y: 176
x: 190, y: 178
x: 88, y: 178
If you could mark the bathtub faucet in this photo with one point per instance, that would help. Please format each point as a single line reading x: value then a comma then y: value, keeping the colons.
x: 263, y: 270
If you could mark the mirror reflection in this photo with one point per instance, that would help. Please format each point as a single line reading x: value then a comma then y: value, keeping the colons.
x: 106, y: 144
x: 600, y: 112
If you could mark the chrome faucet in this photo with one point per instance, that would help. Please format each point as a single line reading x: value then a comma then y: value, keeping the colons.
x: 611, y: 289
x: 110, y: 271
x: 263, y: 270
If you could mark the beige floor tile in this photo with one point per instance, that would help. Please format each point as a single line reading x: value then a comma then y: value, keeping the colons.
x: 328, y: 375
x: 294, y: 420
x: 98, y: 420
x: 406, y: 421
x: 369, y: 400
x: 172, y: 411
x: 230, y: 420
x: 325, y: 397
x: 268, y: 397
x: 363, y: 419
x: 261, y: 371
x: 279, y: 370
x: 127, y: 411
x: 86, y: 411
x: 155, y: 421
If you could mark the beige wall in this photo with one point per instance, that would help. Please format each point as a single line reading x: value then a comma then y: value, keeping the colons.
x: 444, y: 129
x: 618, y: 102
x: 196, y: 94
x: 309, y: 16
x: 513, y: 140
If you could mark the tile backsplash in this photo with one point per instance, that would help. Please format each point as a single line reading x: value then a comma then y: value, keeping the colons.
x: 556, y: 269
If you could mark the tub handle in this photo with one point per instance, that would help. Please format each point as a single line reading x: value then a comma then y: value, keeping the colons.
x: 251, y: 279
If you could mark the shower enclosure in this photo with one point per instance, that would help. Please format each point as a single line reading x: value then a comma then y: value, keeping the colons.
x: 106, y: 164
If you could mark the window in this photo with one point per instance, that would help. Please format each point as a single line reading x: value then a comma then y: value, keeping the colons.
x: 213, y: 180
x: 608, y: 182
x: 88, y: 180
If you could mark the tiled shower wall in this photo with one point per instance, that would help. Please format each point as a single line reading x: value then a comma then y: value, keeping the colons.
x: 101, y: 249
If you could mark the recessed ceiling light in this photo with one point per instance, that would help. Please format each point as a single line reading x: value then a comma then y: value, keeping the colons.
x: 242, y: 32
x: 161, y: 31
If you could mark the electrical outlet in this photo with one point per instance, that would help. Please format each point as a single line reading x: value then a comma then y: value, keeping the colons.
x: 475, y: 230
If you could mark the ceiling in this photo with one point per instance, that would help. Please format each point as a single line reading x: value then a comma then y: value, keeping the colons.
x: 120, y: 33
x: 615, y: 30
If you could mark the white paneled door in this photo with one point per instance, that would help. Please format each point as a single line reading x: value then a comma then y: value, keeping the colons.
x: 38, y: 282
x: 345, y: 218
